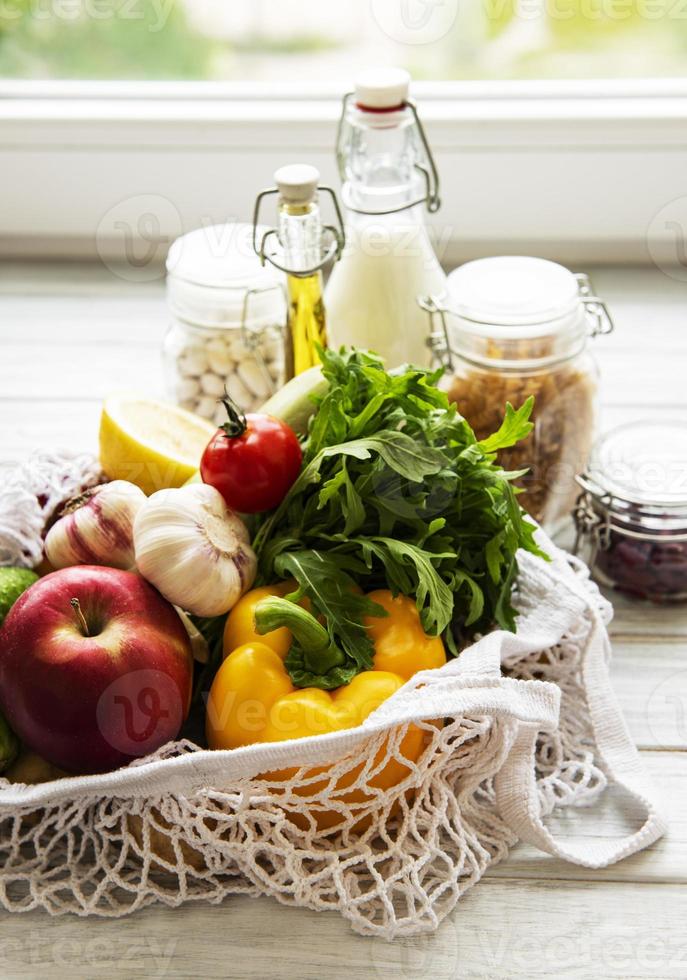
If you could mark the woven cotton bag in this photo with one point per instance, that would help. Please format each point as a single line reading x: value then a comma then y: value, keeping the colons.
x: 515, y: 727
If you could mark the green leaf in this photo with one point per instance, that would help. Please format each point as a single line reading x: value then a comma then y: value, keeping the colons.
x: 475, y: 607
x: 329, y: 425
x: 353, y: 508
x: 493, y: 552
x: 397, y: 493
x: 408, y: 457
x: 515, y: 426
x: 332, y: 593
x: 402, y: 454
x: 432, y: 595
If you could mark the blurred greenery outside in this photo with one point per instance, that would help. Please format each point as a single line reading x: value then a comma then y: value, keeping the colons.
x: 490, y: 39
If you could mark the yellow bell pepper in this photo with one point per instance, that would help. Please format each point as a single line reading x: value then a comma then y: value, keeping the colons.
x: 252, y: 698
x: 240, y: 625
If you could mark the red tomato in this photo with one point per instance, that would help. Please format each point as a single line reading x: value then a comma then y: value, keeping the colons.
x: 252, y: 460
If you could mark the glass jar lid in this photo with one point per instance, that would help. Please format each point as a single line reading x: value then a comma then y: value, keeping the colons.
x: 642, y: 463
x: 636, y: 482
x: 514, y: 311
x: 514, y: 297
x: 215, y: 279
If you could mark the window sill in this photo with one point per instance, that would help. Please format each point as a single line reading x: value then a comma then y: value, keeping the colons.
x: 575, y: 171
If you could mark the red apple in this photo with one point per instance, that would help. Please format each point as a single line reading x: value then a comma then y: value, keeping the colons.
x: 95, y: 668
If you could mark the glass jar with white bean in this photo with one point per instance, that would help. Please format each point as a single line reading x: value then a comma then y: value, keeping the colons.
x: 228, y: 330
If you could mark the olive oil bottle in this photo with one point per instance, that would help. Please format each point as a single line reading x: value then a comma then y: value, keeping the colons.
x: 307, y: 325
x: 300, y: 235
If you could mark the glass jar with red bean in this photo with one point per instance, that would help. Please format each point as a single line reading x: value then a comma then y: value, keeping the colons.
x: 631, y: 516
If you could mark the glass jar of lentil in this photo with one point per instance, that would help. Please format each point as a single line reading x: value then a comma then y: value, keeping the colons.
x: 631, y: 516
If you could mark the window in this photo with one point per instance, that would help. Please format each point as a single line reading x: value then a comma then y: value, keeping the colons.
x: 300, y: 40
x: 558, y: 125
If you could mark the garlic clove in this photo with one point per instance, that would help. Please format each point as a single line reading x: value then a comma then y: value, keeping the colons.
x: 194, y: 549
x: 96, y: 528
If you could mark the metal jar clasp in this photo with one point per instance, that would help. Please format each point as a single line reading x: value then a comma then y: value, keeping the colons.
x: 595, y: 306
x: 438, y: 339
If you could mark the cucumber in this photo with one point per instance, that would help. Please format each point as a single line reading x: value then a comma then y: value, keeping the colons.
x: 293, y: 403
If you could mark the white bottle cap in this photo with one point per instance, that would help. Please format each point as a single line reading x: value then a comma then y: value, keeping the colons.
x: 382, y: 88
x: 297, y: 182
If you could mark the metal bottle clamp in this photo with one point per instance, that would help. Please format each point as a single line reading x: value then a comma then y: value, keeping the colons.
x: 333, y: 249
x: 429, y: 172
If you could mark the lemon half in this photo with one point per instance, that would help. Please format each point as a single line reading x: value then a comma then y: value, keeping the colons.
x: 150, y: 443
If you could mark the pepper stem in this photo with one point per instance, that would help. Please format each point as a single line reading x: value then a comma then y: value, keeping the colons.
x: 76, y: 605
x: 236, y: 424
x: 319, y: 653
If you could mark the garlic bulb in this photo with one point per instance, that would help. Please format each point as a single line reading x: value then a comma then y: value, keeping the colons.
x: 194, y: 550
x: 96, y: 528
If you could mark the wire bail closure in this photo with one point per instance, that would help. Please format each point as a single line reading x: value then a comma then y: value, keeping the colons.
x: 594, y: 515
x: 589, y: 523
x: 251, y: 337
x: 429, y: 172
x: 332, y: 248
x: 594, y: 305
x: 439, y: 341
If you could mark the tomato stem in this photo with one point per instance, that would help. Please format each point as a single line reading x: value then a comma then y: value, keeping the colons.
x: 236, y: 424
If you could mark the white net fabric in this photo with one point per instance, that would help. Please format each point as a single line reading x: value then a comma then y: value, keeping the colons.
x: 425, y: 842
x: 388, y: 824
x: 29, y: 496
x: 567, y: 773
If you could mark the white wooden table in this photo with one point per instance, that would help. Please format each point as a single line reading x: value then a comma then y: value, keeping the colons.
x: 68, y: 335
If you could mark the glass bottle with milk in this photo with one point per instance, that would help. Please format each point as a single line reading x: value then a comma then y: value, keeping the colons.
x: 389, y: 179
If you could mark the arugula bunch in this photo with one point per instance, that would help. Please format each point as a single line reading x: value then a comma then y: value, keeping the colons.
x: 396, y: 492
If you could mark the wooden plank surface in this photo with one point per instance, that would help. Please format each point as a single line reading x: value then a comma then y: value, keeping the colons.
x: 70, y: 333
x: 506, y: 928
x: 650, y: 679
x: 614, y: 815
